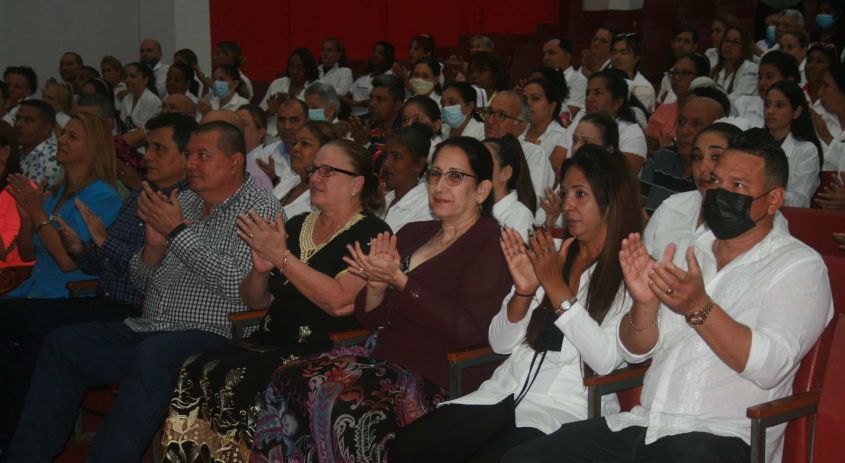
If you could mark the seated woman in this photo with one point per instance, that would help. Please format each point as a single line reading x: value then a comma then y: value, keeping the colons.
x: 298, y: 272
x: 60, y: 97
x: 255, y: 128
x: 10, y: 220
x: 828, y: 115
x: 225, y: 89
x: 323, y: 103
x: 484, y: 73
x: 405, y: 162
x: 141, y: 102
x: 820, y: 58
x: 294, y: 190
x: 421, y: 109
x: 114, y: 73
x: 514, y: 199
x: 381, y: 62
x: 459, y: 117
x: 625, y: 56
x: 432, y: 288
x: 180, y: 79
x: 425, y: 78
x: 544, y: 127
x: 86, y: 152
x: 300, y: 72
x: 788, y: 121
x: 561, y: 316
x: 774, y: 67
x: 334, y: 69
x: 736, y: 71
x: 795, y: 43
x: 662, y: 125
x: 229, y: 53
x: 596, y: 129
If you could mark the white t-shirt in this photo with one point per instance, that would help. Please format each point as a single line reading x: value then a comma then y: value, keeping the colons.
x: 540, y: 168
x: 803, y: 171
x: 744, y: 80
x: 338, y: 77
x: 413, y: 207
x: 236, y: 102
x: 148, y: 106
x: 644, y: 91
x: 750, y: 108
x: 631, y: 138
x: 509, y: 211
x: 577, y: 85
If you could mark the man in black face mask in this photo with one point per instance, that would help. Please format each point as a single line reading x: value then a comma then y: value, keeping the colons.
x: 725, y: 321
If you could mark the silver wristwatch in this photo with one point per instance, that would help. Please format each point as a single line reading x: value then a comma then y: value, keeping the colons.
x: 565, y: 305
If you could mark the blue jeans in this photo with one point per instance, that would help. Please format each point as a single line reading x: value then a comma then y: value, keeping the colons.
x: 146, y: 366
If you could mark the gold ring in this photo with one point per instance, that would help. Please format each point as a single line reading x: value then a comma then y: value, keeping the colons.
x: 670, y: 291
x: 251, y: 235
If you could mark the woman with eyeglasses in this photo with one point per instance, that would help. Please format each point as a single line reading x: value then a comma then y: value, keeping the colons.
x: 298, y: 273
x: 294, y: 190
x: 736, y: 71
x: 432, y: 288
x: 559, y: 321
x: 662, y: 125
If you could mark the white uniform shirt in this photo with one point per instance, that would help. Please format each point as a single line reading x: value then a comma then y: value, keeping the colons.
x: 300, y: 205
x: 280, y: 85
x: 160, y: 71
x: 148, y: 106
x: 236, y: 102
x: 281, y: 158
x: 338, y: 77
x: 509, y: 211
x: 834, y: 158
x: 247, y: 85
x: 540, y: 168
x: 631, y: 138
x: 360, y: 90
x: 413, y: 207
x: 558, y: 395
x: 666, y: 94
x: 473, y: 129
x: 803, y: 171
x: 577, y: 85
x: 750, y: 108
x: 554, y: 135
x: 780, y: 290
x: 644, y: 91
x: 744, y: 81
x: 120, y: 87
x: 713, y: 55
x: 832, y: 121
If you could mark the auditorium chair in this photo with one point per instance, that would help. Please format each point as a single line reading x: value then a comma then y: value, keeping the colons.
x: 468, y: 368
x: 815, y: 227
x: 11, y: 277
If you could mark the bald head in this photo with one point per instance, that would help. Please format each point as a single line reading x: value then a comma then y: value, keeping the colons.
x: 224, y: 116
x: 178, y: 103
x: 697, y: 113
x: 150, y: 52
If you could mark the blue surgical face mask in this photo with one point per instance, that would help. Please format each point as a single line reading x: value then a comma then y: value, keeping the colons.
x: 825, y: 21
x: 452, y: 116
x: 317, y: 114
x: 771, y: 29
x: 221, y: 88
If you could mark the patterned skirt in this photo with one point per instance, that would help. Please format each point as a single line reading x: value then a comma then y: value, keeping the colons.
x: 339, y: 406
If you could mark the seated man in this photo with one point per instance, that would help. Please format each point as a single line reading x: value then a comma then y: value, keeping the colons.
x: 740, y: 308
x: 189, y: 271
x: 385, y: 110
x: 275, y: 159
x: 509, y: 113
x: 669, y: 171
x: 557, y: 54
x: 70, y: 64
x: 34, y: 127
x: 21, y: 84
x: 150, y: 55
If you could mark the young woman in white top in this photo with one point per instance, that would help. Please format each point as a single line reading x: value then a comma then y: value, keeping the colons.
x: 381, y: 62
x: 736, y: 71
x: 820, y: 57
x: 788, y: 121
x: 255, y: 128
x: 625, y: 56
x: 405, y: 162
x: 113, y: 73
x: 425, y: 78
x: 795, y: 43
x: 544, y: 127
x: 514, y: 200
x: 559, y: 322
x: 829, y: 124
x: 180, y: 79
x: 301, y: 71
x: 334, y: 70
x: 294, y: 191
x: 225, y: 91
x: 717, y: 31
x: 228, y: 52
x: 458, y: 111
x: 774, y: 66
x: 422, y: 109
x: 141, y: 102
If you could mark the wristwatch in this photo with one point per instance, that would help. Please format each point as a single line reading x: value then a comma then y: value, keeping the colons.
x: 565, y: 304
x: 695, y: 319
x: 175, y: 232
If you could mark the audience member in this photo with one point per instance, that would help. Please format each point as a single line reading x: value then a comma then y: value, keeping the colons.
x: 544, y: 126
x: 796, y: 43
x: 178, y: 103
x: 21, y: 84
x: 514, y: 199
x: 34, y: 127
x: 557, y: 54
x: 775, y: 66
x: 180, y: 77
x: 10, y: 220
x: 226, y: 89
x: 717, y: 31
x: 70, y: 64
x: 789, y: 20
x: 300, y: 72
x: 736, y: 71
x: 828, y: 115
x: 830, y: 19
x: 662, y: 129
x: 276, y: 162
x: 255, y: 127
x: 484, y: 74
x: 190, y: 254
x: 423, y: 110
x: 60, y: 97
x: 597, y: 57
x: 114, y: 73
x: 385, y: 113
x: 684, y: 43
x: 188, y: 57
x: 458, y: 67
x: 334, y: 69
x: 323, y: 103
x: 141, y: 102
x: 294, y: 190
x: 625, y: 56
x: 297, y: 271
x: 381, y: 62
x: 150, y: 56
x: 820, y: 58
x: 229, y: 53
x: 425, y: 77
x: 405, y: 161
x: 459, y: 111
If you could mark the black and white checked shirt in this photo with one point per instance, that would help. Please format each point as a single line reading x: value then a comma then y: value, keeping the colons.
x: 196, y: 284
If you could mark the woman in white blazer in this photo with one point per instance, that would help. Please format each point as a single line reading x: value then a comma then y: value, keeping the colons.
x: 141, y: 103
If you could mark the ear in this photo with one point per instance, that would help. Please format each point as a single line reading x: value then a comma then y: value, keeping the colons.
x: 438, y: 124
x: 797, y: 112
x: 507, y: 173
x: 483, y: 189
x: 774, y: 200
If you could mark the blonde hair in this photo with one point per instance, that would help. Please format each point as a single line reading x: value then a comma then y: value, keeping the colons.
x: 65, y: 94
x: 103, y: 164
x: 114, y: 63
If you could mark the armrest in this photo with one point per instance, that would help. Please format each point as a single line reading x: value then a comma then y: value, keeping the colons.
x: 773, y: 413
x: 462, y: 359
x: 240, y: 321
x: 84, y: 288
x: 618, y: 380
x: 348, y: 338
x: 11, y: 277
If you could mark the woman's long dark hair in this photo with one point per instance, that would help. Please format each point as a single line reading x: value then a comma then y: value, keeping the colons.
x: 510, y: 153
x: 617, y: 194
x: 615, y: 82
x: 552, y: 96
x: 389, y: 55
x: 801, y: 128
x: 747, y: 54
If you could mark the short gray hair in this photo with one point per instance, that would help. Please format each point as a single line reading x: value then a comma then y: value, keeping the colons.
x: 326, y: 93
x: 526, y: 110
x: 796, y: 15
x: 485, y: 41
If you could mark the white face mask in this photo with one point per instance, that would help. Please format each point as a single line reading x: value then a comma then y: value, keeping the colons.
x: 421, y: 86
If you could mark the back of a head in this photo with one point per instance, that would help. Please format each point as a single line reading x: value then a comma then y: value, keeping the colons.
x: 230, y: 138
x: 556, y: 78
x: 727, y: 130
x: 229, y: 117
x: 181, y: 124
x: 716, y: 95
x: 188, y: 55
x: 759, y: 142
x: 259, y: 117
x: 608, y: 126
x: 701, y: 63
x: 510, y: 154
x: 393, y: 83
x: 325, y: 92
x: 105, y: 106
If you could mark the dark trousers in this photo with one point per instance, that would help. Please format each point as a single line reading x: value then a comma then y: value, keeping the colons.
x: 146, y: 366
x: 461, y: 433
x: 593, y: 441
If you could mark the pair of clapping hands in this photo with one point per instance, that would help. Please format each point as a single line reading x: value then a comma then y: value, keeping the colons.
x: 381, y: 266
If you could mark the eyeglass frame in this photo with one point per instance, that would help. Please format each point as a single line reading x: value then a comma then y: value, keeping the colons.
x: 312, y: 169
x: 501, y: 117
x: 446, y: 175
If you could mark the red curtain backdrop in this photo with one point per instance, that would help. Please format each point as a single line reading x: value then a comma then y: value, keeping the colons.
x: 267, y: 30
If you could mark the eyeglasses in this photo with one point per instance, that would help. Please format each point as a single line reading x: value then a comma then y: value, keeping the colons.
x: 827, y: 45
x: 679, y: 73
x: 453, y: 177
x: 629, y: 35
x: 327, y: 171
x: 498, y: 115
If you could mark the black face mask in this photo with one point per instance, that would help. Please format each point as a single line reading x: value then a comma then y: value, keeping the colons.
x: 728, y: 214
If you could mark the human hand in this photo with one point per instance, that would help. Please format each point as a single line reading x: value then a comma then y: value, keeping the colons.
x: 400, y: 71
x: 152, y: 238
x: 519, y: 265
x: 681, y: 291
x: 840, y: 239
x: 833, y: 195
x: 548, y: 262
x: 268, y: 166
x: 95, y: 226
x: 358, y: 131
x: 274, y: 101
x: 636, y: 265
x: 552, y: 204
x: 157, y: 210
x: 70, y: 239
x: 381, y: 267
x: 268, y: 242
x: 203, y: 106
x: 29, y: 199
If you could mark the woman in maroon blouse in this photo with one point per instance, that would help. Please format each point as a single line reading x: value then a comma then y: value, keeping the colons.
x: 432, y: 288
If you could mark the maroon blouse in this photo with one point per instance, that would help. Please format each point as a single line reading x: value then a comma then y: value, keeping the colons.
x: 447, y: 303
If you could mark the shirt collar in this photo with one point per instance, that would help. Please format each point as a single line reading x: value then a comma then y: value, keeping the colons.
x: 505, y: 203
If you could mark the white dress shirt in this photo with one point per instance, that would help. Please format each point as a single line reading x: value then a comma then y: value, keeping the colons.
x: 832, y: 122
x: 834, y: 158
x: 473, y: 129
x: 509, y: 211
x: 236, y: 102
x: 666, y: 94
x: 281, y: 159
x: 804, y: 168
x: 300, y: 205
x: 744, y: 80
x: 258, y: 175
x: 120, y: 87
x: 780, y: 290
x: 160, y: 72
x: 338, y: 77
x: 137, y: 115
x: 540, y: 168
x: 553, y: 136
x: 558, y: 395
x: 644, y: 91
x: 750, y: 108
x: 280, y: 85
x: 631, y: 138
x: 577, y: 85
x: 713, y: 55
x: 360, y: 90
x: 413, y: 207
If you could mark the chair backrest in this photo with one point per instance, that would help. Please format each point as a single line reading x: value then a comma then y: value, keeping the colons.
x: 830, y: 418
x: 629, y: 398
x: 816, y: 227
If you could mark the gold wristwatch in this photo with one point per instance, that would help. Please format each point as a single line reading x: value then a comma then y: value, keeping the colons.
x: 565, y: 305
x: 695, y: 319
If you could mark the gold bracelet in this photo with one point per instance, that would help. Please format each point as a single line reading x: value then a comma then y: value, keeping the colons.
x: 637, y: 328
x: 46, y: 222
x: 284, y: 262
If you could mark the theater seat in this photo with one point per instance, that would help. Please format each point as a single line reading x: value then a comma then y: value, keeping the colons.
x: 816, y: 227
